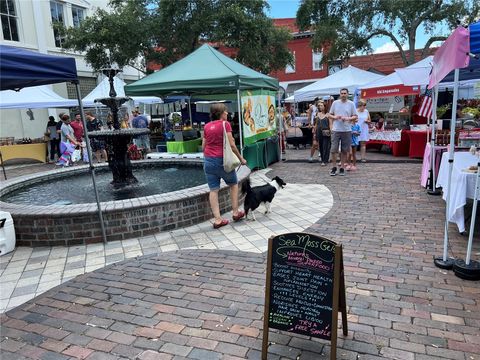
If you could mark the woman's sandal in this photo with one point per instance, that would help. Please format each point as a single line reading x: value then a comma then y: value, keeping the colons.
x: 239, y: 216
x: 219, y: 225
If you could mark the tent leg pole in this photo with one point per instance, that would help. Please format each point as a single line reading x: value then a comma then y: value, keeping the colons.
x: 90, y: 162
x: 445, y: 262
x: 279, y: 128
x: 190, y: 110
x: 432, y: 190
x: 3, y: 166
x: 240, y: 120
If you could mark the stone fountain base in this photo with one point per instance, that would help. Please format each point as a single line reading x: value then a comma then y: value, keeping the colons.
x: 117, y: 142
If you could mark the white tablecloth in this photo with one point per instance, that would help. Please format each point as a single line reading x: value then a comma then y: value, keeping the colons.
x: 463, y: 184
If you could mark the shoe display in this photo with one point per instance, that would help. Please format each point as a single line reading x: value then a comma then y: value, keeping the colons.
x: 363, y: 161
x: 341, y: 172
x: 333, y: 172
x: 323, y: 164
x: 348, y: 167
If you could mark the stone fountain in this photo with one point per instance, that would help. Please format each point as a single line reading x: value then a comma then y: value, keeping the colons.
x: 117, y: 140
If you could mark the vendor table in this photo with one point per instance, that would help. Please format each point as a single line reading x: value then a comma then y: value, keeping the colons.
x: 182, y: 147
x: 418, y: 140
x: 262, y: 153
x: 24, y: 151
x: 463, y: 184
x: 399, y: 148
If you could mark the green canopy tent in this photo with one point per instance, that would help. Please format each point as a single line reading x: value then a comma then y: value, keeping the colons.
x: 205, y: 71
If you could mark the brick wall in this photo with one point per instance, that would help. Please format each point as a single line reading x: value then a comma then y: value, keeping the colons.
x: 49, y: 226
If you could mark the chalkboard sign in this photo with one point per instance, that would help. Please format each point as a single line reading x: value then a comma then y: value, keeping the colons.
x: 305, y: 287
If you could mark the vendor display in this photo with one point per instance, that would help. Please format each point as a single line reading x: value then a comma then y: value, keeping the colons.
x: 182, y: 147
x: 35, y: 151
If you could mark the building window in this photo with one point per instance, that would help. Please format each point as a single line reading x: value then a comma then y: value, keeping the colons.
x: 9, y: 20
x: 86, y: 85
x: 56, y: 10
x: 290, y: 68
x: 78, y: 15
x: 317, y: 57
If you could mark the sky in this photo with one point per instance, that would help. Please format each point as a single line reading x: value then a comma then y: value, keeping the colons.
x: 288, y: 9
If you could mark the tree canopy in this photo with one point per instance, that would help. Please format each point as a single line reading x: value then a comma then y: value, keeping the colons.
x: 344, y: 27
x: 135, y: 32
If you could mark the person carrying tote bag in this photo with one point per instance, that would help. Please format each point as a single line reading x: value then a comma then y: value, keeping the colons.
x: 217, y: 137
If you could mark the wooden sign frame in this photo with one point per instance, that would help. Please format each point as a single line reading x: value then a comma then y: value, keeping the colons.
x: 339, y: 303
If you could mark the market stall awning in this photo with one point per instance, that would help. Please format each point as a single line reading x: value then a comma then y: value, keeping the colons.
x: 36, y: 97
x: 204, y: 71
x: 350, y: 78
x: 21, y: 68
x: 405, y: 81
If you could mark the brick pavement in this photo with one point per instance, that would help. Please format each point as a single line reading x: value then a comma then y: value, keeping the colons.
x: 204, y: 304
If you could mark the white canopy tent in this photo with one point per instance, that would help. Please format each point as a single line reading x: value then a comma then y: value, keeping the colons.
x: 103, y: 89
x: 350, y: 78
x: 36, y: 97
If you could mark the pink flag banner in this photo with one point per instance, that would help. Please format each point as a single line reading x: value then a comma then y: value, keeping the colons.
x: 453, y: 54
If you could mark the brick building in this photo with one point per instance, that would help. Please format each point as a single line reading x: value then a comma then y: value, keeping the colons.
x: 308, y: 66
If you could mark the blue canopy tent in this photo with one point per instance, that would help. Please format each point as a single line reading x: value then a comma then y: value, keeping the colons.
x: 475, y: 38
x: 21, y: 68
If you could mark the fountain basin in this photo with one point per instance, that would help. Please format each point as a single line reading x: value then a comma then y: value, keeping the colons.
x: 55, y: 225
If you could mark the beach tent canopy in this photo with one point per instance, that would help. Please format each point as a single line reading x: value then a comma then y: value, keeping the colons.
x: 103, y: 89
x: 21, y: 68
x: 350, y: 78
x: 204, y: 71
x: 36, y: 97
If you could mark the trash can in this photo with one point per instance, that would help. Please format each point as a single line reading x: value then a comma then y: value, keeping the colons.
x: 7, y: 233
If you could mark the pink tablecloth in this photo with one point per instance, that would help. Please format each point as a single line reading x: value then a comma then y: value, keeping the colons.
x: 426, y: 162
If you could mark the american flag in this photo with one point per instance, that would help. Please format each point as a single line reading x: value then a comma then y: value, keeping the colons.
x: 426, y: 107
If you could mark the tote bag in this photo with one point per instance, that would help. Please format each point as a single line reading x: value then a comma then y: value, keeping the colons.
x: 230, y: 160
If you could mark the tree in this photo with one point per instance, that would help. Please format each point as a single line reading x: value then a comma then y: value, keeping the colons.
x: 164, y: 31
x: 107, y: 38
x: 343, y: 27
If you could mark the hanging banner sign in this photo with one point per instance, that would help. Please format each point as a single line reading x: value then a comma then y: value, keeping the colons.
x: 394, y: 90
x: 385, y: 103
x: 258, y: 115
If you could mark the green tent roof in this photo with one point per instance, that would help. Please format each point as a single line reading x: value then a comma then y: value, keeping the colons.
x: 204, y: 71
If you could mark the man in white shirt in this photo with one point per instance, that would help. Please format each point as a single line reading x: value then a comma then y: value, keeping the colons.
x: 341, y: 113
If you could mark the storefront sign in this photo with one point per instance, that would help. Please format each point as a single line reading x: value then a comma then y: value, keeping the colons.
x: 258, y: 115
x: 384, y: 104
x: 396, y: 90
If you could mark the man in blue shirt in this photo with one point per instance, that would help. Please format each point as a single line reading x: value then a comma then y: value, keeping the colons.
x: 141, y: 122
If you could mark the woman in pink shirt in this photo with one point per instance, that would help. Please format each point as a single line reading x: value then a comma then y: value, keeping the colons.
x: 212, y: 145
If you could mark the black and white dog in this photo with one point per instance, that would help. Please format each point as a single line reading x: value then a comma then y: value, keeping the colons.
x: 254, y: 196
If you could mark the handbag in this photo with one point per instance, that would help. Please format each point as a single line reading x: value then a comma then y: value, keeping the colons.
x: 230, y: 160
x: 326, y: 133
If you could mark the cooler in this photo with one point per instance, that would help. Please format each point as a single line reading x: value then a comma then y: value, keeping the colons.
x: 7, y: 233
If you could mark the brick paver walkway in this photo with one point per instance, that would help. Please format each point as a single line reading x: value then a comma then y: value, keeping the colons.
x: 205, y: 304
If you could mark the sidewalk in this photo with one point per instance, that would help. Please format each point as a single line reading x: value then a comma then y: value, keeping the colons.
x: 208, y: 304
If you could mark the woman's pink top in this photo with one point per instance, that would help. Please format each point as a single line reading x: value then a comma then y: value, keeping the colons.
x: 213, y: 135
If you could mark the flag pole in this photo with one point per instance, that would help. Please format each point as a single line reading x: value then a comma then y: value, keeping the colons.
x: 445, y: 262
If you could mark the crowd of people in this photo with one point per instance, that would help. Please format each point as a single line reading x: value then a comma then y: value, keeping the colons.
x: 337, y: 132
x: 66, y: 137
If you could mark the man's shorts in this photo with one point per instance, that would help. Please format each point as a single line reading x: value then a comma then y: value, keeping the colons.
x: 142, y: 142
x: 341, y: 137
x: 213, y: 168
